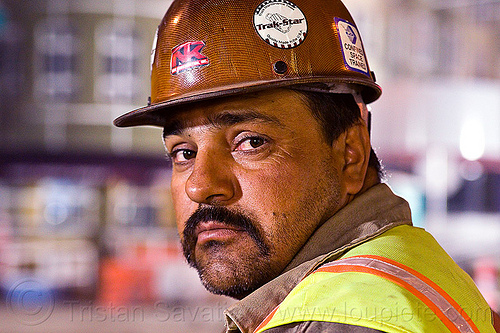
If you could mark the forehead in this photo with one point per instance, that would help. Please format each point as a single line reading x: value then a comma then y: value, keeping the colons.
x: 280, y: 107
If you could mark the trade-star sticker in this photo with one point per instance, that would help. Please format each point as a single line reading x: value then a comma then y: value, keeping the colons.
x: 280, y: 23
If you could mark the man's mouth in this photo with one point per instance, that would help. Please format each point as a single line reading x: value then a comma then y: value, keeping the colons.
x: 215, y: 231
x: 217, y: 225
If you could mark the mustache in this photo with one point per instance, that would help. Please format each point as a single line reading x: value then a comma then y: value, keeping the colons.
x: 222, y: 215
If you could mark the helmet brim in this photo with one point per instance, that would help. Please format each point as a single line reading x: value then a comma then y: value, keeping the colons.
x: 158, y: 114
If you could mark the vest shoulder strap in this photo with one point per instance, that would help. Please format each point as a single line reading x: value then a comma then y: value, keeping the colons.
x: 443, y: 306
x: 367, y: 273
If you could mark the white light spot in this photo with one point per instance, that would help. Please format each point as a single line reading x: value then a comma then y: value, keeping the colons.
x: 472, y: 139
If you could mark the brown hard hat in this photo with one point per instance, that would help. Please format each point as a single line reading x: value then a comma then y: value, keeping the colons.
x: 212, y: 48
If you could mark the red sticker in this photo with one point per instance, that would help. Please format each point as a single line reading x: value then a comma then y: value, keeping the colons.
x: 187, y: 56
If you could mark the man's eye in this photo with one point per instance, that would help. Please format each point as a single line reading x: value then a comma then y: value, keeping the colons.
x: 251, y: 143
x: 182, y: 155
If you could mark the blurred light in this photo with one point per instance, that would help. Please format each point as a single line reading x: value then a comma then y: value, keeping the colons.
x: 472, y: 139
x: 471, y: 170
x: 436, y: 172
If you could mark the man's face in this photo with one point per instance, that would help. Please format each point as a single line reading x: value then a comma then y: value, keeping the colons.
x: 253, y: 177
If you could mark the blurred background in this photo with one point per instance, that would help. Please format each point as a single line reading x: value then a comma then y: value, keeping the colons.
x: 87, y: 236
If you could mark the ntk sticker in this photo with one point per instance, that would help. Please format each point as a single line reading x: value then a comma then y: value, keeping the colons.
x: 187, y: 56
x: 352, y: 47
x: 280, y: 23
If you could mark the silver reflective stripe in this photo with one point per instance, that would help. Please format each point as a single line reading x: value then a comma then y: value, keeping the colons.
x: 428, y: 291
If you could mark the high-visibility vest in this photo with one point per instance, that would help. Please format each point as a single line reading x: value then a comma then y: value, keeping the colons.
x: 400, y: 281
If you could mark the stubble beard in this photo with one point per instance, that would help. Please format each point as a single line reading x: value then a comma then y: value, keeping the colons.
x: 234, y: 274
x: 239, y: 273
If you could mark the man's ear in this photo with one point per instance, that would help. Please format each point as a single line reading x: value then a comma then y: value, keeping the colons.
x: 357, y: 149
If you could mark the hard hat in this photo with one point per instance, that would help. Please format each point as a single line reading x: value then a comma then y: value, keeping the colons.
x: 213, y: 48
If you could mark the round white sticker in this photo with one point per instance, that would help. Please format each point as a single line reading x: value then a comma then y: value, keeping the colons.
x: 280, y: 23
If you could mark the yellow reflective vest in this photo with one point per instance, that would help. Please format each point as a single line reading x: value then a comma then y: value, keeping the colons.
x: 400, y: 281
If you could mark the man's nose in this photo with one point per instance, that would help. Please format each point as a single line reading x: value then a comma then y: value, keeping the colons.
x: 211, y: 180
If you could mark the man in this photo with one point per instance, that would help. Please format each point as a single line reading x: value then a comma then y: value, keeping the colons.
x: 277, y: 191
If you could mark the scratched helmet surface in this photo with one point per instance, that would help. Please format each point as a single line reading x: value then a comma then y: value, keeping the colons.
x: 212, y: 48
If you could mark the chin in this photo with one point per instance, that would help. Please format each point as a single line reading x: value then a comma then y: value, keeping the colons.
x: 234, y: 279
x: 236, y: 291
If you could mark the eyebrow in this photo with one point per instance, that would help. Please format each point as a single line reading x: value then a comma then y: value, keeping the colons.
x: 223, y: 119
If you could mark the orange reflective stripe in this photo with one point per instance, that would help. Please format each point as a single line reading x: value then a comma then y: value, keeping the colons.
x: 361, y: 269
x: 445, y: 308
x: 267, y: 320
x: 443, y: 305
x: 431, y: 283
